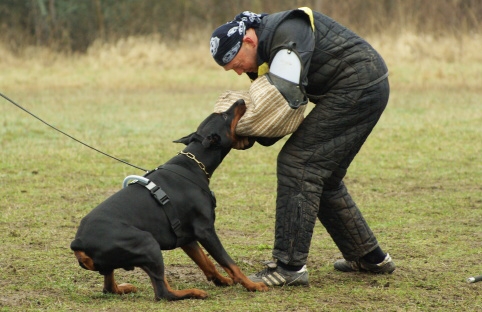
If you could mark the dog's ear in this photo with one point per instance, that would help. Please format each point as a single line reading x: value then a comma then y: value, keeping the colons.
x: 185, y: 140
x: 212, y: 140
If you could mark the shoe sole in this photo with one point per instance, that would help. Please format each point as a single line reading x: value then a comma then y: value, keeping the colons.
x: 276, y: 280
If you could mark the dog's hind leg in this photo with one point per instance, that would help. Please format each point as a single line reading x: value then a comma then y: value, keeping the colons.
x: 110, y: 286
x: 153, y: 264
x: 194, y: 251
x: 162, y: 289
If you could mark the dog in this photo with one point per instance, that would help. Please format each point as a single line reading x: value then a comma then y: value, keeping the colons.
x: 174, y: 207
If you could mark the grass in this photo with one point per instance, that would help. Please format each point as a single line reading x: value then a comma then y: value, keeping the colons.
x: 418, y: 180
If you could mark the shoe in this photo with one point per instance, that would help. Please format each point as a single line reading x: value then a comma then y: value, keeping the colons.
x: 274, y: 275
x: 386, y: 266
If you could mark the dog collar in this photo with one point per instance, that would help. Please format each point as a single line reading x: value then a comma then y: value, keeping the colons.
x: 193, y: 157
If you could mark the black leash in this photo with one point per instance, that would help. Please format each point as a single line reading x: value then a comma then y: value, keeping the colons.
x: 105, y: 154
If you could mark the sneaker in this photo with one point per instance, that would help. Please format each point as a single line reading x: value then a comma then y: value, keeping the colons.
x: 386, y: 266
x: 274, y: 275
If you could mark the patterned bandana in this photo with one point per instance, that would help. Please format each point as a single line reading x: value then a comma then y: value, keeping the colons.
x: 227, y: 39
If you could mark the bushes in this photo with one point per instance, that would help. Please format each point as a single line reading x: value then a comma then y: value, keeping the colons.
x: 72, y: 25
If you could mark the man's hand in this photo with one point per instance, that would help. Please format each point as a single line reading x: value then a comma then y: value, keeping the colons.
x: 244, y: 143
x: 247, y: 142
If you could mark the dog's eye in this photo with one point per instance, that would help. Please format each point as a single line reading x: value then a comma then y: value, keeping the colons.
x: 225, y: 116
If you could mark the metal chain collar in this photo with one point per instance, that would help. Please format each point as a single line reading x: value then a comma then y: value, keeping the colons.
x: 193, y: 157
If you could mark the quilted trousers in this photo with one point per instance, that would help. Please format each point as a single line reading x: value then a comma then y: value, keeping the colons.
x: 310, y: 170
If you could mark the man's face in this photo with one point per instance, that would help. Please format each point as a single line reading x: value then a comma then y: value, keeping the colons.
x: 245, y: 60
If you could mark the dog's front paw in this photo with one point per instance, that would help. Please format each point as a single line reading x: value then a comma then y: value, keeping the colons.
x: 222, y: 281
x: 261, y: 286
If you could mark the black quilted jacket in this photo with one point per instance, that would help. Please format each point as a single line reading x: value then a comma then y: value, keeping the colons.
x: 333, y: 57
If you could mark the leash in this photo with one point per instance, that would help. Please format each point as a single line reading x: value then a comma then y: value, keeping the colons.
x: 78, y: 141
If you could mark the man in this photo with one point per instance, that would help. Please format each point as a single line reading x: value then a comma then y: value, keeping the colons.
x: 309, y: 56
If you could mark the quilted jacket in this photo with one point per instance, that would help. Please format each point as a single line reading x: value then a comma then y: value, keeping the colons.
x: 333, y: 57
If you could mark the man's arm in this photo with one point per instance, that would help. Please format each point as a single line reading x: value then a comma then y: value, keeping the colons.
x: 290, y: 57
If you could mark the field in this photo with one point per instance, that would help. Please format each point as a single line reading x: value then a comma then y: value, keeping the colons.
x: 418, y: 178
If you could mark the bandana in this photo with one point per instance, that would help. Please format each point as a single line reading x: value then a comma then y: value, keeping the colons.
x: 227, y: 39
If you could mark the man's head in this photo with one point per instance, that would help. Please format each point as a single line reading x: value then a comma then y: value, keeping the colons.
x: 234, y: 44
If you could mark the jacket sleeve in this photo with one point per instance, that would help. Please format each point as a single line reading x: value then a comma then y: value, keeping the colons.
x: 297, y: 30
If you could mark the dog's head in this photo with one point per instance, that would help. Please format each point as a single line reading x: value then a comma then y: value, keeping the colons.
x: 218, y: 129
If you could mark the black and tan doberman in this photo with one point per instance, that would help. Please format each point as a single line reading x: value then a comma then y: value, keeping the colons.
x: 174, y: 208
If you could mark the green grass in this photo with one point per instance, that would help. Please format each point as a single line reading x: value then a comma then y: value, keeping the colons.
x: 418, y: 181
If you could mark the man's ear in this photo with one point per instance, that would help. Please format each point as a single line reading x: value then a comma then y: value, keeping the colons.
x: 185, y: 140
x: 212, y: 140
x: 250, y: 38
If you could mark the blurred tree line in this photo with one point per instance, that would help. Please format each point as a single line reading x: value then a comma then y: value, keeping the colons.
x: 73, y: 25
